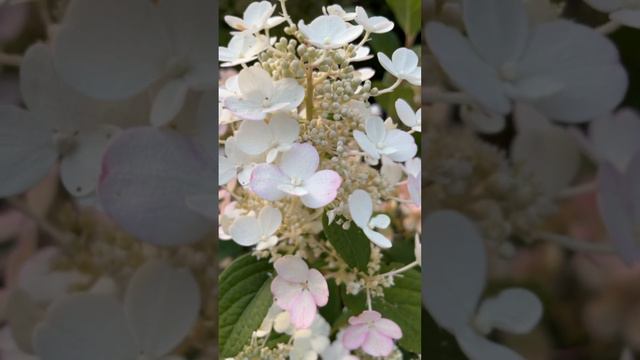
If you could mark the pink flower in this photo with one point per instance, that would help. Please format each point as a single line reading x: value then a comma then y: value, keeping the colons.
x: 371, y: 332
x: 296, y: 175
x: 299, y: 290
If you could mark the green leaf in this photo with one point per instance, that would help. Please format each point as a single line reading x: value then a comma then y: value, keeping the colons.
x: 333, y: 309
x: 408, y: 15
x: 401, y: 303
x: 352, y: 245
x: 438, y: 342
x: 385, y: 43
x: 388, y: 101
x: 245, y: 299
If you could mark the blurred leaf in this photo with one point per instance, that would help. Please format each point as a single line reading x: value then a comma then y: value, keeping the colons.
x: 408, y: 15
x: 333, y: 309
x: 245, y: 299
x: 437, y: 342
x: 352, y: 245
x: 388, y: 101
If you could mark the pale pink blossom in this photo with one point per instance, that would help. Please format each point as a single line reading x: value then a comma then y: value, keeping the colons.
x: 299, y: 290
x: 296, y: 175
x: 372, y: 333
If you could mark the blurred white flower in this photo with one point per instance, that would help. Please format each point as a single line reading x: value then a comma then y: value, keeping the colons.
x: 236, y: 163
x: 88, y: 326
x: 361, y: 210
x: 243, y: 48
x: 396, y: 144
x: 337, y: 351
x: 567, y: 71
x: 625, y: 12
x: 615, y: 138
x: 374, y: 24
x: 329, y: 32
x: 403, y: 65
x: 311, y: 342
x: 413, y: 168
x: 260, y: 96
x: 252, y: 230
x: 256, y: 17
x: 411, y: 119
x: 257, y: 137
x: 453, y: 278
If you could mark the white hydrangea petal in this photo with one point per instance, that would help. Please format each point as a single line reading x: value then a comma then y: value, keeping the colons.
x: 245, y: 109
x: 380, y: 221
x: 270, y: 220
x: 627, y: 17
x: 254, y: 137
x: 287, y: 91
x: 285, y: 128
x: 147, y: 174
x: 111, y: 59
x: 375, y: 129
x: 478, y: 347
x: 616, y: 137
x: 454, y: 268
x: 204, y: 204
x: 85, y: 326
x: 405, y: 113
x: 292, y: 268
x: 255, y: 82
x: 168, y: 102
x: 365, y: 144
x: 301, y: 161
x: 80, y: 169
x: 265, y: 182
x: 514, y: 310
x: 161, y: 304
x: 377, y: 238
x: 27, y: 153
x: 404, y: 60
x: 585, y: 62
x: 360, y: 208
x: 498, y: 29
x: 466, y: 69
x: 246, y: 231
x: 322, y: 188
x: 226, y: 170
x: 403, y: 143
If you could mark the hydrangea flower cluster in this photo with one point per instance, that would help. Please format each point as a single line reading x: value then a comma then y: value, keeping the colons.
x: 312, y: 173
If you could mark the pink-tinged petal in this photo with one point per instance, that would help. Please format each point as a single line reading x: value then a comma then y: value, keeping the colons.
x: 303, y: 310
x: 285, y: 292
x: 377, y: 344
x: 292, y: 268
x: 265, y: 180
x: 318, y: 287
x: 301, y: 161
x: 388, y: 328
x: 322, y: 187
x: 354, y: 336
x: 365, y: 317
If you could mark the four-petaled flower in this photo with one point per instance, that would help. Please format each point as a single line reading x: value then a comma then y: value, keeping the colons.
x: 299, y: 290
x: 329, y: 32
x: 256, y: 17
x: 243, y: 48
x: 403, y: 65
x: 260, y: 95
x: 408, y: 116
x: 249, y: 230
x: 361, y: 209
x: 398, y: 145
x: 371, y: 332
x: 296, y: 175
x: 374, y: 24
x: 257, y: 137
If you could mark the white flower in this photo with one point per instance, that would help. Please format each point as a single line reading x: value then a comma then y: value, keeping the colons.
x: 396, y: 144
x: 615, y: 138
x: 481, y: 120
x: 625, y: 12
x: 296, y: 175
x: 260, y: 95
x: 567, y: 71
x: 361, y: 210
x: 149, y: 43
x: 257, y: 137
x: 236, y: 163
x: 454, y: 276
x: 402, y: 65
x: 249, y: 230
x: 90, y: 326
x: 256, y: 17
x: 417, y: 249
x: 309, y: 343
x: 375, y: 24
x: 337, y: 351
x: 407, y: 116
x: 337, y: 10
x: 227, y: 217
x: 60, y: 124
x: 243, y: 48
x: 329, y: 32
x: 391, y: 171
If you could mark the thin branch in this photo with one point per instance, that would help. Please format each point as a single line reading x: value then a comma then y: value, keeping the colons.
x: 447, y: 98
x: 575, y: 244
x: 609, y: 27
